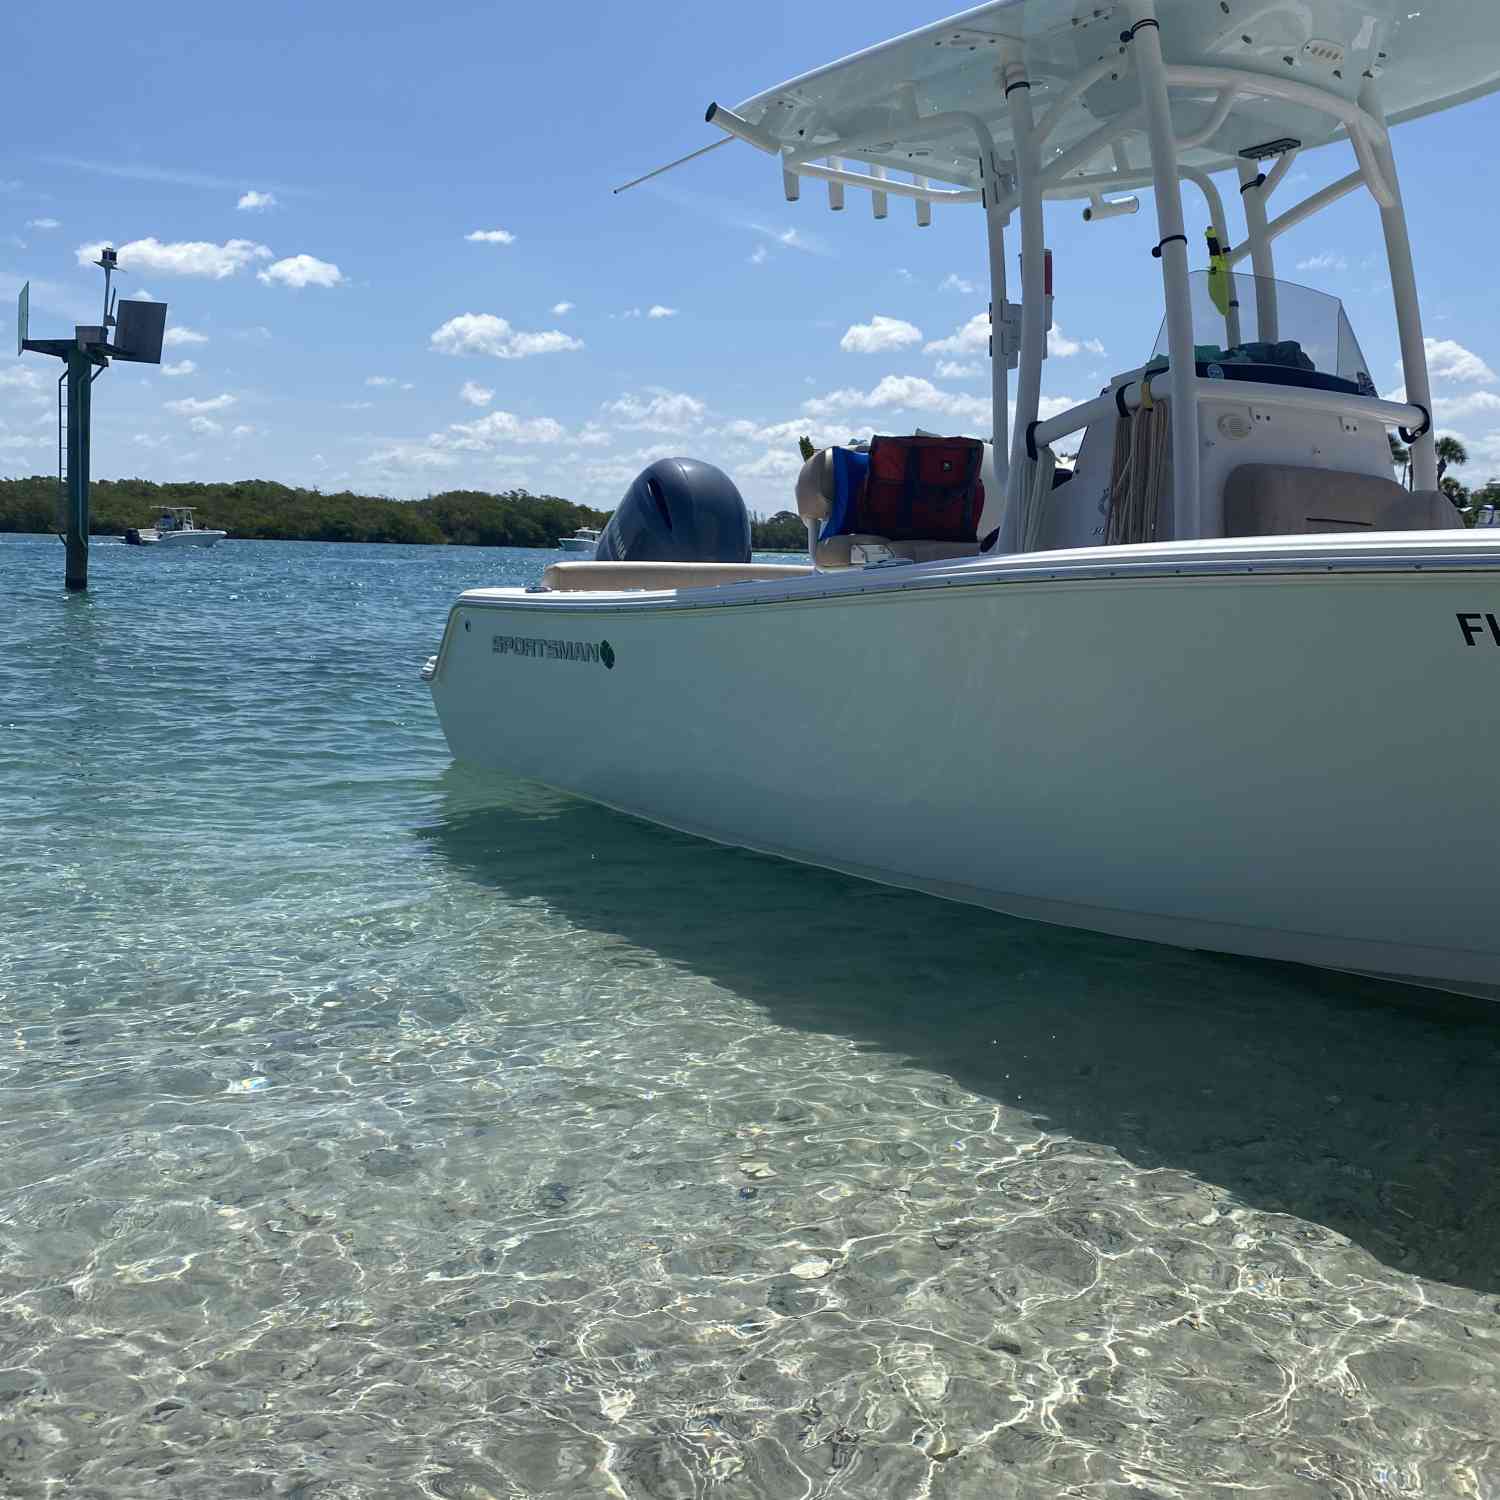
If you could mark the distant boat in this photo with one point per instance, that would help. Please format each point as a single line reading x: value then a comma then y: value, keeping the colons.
x: 582, y: 540
x: 175, y: 527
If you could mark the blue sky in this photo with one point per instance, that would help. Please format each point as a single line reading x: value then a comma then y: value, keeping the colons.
x: 306, y: 182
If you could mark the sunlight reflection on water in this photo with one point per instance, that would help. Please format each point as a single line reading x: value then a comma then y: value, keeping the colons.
x: 371, y: 1127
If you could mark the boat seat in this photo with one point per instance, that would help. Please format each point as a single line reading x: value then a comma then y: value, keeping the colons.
x: 593, y: 577
x: 1288, y: 500
x: 837, y: 551
x: 815, y: 496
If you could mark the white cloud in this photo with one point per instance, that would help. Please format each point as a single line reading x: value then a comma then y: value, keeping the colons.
x: 254, y: 202
x: 14, y: 442
x: 29, y: 385
x: 743, y: 431
x: 410, y: 455
x: 1456, y: 409
x: 1060, y: 346
x: 140, y: 294
x: 1328, y: 260
x: 664, y: 411
x: 491, y: 237
x: 484, y: 333
x: 773, y: 463
x: 300, y: 271
x: 793, y: 239
x: 631, y: 312
x: 205, y: 425
x: 380, y: 380
x: 879, y: 336
x: 1448, y: 360
x: 182, y: 367
x: 43, y: 224
x: 950, y: 370
x: 972, y: 338
x: 658, y: 311
x: 502, y: 426
x: 953, y: 282
x: 244, y: 430
x: 562, y: 309
x: 441, y: 450
x: 180, y: 333
x: 181, y: 257
x: 900, y: 393
x: 357, y: 405
x: 590, y: 435
x: 759, y: 256
x: 475, y: 395
x: 193, y: 406
x: 150, y: 442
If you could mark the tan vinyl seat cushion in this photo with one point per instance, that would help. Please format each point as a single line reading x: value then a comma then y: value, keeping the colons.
x: 1285, y: 500
x: 835, y: 551
x: 596, y: 577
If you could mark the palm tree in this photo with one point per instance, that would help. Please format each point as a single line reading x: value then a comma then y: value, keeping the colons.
x: 1450, y: 452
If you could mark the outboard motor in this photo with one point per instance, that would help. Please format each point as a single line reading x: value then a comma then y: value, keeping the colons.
x: 678, y: 510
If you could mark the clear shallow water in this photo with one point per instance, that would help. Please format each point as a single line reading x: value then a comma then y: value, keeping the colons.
x: 372, y: 1128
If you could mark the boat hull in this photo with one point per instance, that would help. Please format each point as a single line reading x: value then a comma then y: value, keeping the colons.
x: 193, y: 538
x: 577, y: 544
x: 1261, y: 759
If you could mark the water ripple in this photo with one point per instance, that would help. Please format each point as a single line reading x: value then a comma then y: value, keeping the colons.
x: 372, y: 1128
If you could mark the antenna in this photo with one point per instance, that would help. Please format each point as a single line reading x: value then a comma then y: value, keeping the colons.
x: 107, y: 261
x: 139, y: 329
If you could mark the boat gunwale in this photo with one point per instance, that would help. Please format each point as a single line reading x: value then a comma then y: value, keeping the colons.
x: 1166, y: 561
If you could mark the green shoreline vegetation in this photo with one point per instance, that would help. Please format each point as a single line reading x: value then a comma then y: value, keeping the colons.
x: 261, y: 510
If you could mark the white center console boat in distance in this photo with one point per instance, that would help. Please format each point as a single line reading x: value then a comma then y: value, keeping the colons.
x: 175, y: 528
x: 584, y: 540
x: 1206, y: 691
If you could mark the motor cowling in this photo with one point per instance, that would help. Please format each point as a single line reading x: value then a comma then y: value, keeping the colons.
x: 678, y: 510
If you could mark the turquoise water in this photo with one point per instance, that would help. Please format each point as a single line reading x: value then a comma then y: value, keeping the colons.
x: 373, y: 1128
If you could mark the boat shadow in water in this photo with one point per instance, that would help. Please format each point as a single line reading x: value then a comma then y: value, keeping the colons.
x: 1369, y: 1108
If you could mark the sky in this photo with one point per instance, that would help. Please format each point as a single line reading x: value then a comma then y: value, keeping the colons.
x: 394, y: 263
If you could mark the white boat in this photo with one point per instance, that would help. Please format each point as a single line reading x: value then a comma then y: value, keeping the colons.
x: 585, y: 539
x: 175, y: 527
x: 1207, y: 692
